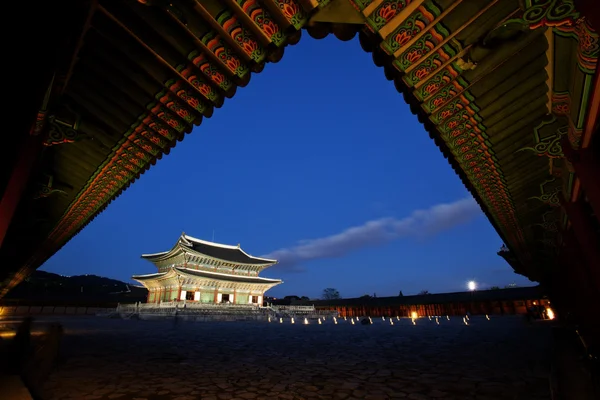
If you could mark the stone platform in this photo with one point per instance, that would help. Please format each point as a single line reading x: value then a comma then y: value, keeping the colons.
x: 503, y: 358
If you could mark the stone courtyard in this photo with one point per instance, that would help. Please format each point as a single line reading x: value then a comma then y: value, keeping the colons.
x: 500, y: 358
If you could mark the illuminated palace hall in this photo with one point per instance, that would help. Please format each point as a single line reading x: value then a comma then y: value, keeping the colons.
x: 200, y: 271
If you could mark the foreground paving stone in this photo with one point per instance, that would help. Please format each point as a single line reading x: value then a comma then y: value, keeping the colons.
x: 501, y: 359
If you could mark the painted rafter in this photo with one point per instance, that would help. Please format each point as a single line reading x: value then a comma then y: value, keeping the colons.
x: 186, y: 75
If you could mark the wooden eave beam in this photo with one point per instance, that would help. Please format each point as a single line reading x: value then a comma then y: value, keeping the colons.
x: 256, y: 30
x: 86, y: 26
x: 199, y: 8
x: 276, y: 13
x: 459, y: 55
x: 521, y: 47
x: 453, y: 34
x: 222, y: 67
x: 433, y: 23
x: 126, y: 87
x: 398, y: 19
x: 151, y: 51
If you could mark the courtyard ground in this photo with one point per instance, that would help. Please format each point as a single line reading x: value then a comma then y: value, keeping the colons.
x: 500, y: 358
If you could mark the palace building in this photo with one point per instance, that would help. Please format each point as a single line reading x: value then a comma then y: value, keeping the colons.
x: 200, y: 271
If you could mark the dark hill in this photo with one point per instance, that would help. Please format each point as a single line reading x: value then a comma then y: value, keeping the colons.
x: 47, y: 287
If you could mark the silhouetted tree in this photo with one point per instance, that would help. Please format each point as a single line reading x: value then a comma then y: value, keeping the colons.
x: 365, y: 296
x: 401, y: 294
x: 331, y: 294
x: 495, y: 288
x: 304, y: 298
x: 422, y: 292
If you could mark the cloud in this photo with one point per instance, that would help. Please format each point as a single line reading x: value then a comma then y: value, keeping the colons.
x: 419, y: 223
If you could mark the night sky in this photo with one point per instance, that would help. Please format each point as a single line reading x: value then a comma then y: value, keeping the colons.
x: 319, y: 163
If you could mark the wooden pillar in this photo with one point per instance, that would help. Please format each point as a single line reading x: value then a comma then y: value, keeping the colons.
x: 587, y: 237
x: 216, y: 297
x: 580, y: 290
x: 587, y: 169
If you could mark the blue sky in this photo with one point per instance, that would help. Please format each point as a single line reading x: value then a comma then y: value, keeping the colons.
x: 319, y: 162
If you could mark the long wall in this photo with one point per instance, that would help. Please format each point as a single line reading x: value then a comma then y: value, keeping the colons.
x: 491, y: 302
x: 512, y: 307
x: 51, y: 310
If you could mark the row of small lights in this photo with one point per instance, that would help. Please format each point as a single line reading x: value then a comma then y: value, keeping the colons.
x: 413, y: 318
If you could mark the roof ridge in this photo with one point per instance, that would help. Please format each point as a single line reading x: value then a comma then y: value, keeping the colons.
x: 226, y: 246
x: 193, y: 239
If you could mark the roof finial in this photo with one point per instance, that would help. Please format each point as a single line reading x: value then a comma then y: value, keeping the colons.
x: 238, y: 245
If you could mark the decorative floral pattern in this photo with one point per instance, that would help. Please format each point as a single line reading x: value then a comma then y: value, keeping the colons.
x: 157, y: 126
x: 262, y: 18
x: 588, y: 49
x: 176, y: 107
x: 430, y: 65
x: 549, y: 190
x: 60, y: 132
x: 189, y: 73
x: 413, y: 25
x: 419, y: 49
x: 242, y: 36
x: 561, y: 103
x: 436, y: 82
x: 211, y: 71
x: 549, y: 13
x: 384, y: 12
x: 293, y: 12
x: 217, y: 46
x: 444, y: 94
x: 180, y: 89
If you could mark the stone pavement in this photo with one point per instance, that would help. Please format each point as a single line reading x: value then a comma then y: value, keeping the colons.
x: 503, y: 358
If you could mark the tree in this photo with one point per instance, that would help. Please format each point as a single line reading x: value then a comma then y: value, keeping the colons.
x: 495, y: 288
x: 331, y: 294
x: 365, y: 296
x: 401, y: 294
x: 304, y: 298
x: 422, y: 292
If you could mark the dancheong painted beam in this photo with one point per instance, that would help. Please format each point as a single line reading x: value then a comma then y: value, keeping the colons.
x: 502, y: 86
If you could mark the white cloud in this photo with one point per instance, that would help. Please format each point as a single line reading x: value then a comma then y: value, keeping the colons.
x: 419, y: 223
